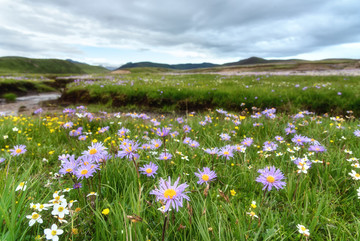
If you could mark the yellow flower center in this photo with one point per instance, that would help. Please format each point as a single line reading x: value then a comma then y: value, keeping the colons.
x: 169, y: 193
x: 226, y: 153
x: 156, y: 145
x: 149, y: 170
x: 205, y: 177
x: 18, y: 150
x: 165, y: 157
x: 270, y: 179
x: 57, y: 198
x: 253, y: 205
x: 35, y: 216
x: 41, y: 206
x: 69, y: 170
x: 93, y: 151
x: 60, y: 209
x: 357, y: 175
x: 53, y: 233
x: 21, y: 184
x: 303, y: 228
x: 84, y: 172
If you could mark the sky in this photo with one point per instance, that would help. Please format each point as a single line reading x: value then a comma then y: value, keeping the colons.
x: 114, y: 32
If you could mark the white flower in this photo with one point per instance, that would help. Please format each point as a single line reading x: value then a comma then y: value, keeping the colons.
x: 358, y: 192
x: 356, y: 165
x: 34, y: 217
x: 15, y: 129
x: 303, y: 230
x: 5, y: 137
x: 53, y: 232
x: 354, y: 175
x: 67, y: 189
x: 22, y: 186
x: 252, y: 214
x: 348, y: 151
x: 302, y: 168
x: 162, y: 209
x: 58, y: 199
x: 70, y: 204
x: 92, y: 194
x: 60, y: 210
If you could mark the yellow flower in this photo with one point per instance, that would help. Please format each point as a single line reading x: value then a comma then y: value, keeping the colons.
x: 94, y: 141
x: 233, y: 193
x: 105, y: 211
x: 51, y: 152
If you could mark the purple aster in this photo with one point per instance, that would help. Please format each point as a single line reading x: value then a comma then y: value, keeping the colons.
x: 162, y: 132
x: 317, y: 148
x: 187, y: 140
x: 180, y: 120
x: 68, y: 166
x: 271, y: 177
x: 205, y: 176
x: 299, y: 140
x: 302, y: 162
x: 149, y: 169
x: 17, y: 150
x: 165, y: 156
x: 156, y: 143
x: 247, y: 141
x: 194, y: 144
x: 226, y: 151
x: 123, y: 131
x: 2, y: 160
x: 104, y: 129
x: 77, y: 185
x: 38, y: 111
x: 289, y: 131
x: 269, y: 146
x: 82, y: 138
x: 186, y: 128
x: 96, y: 151
x: 225, y: 137
x: 357, y: 133
x: 129, y: 151
x: 171, y: 195
x: 68, y: 125
x: 212, y: 151
x: 279, y: 138
x: 84, y: 171
x: 173, y: 134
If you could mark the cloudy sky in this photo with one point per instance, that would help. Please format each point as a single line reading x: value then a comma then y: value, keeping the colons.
x: 114, y: 32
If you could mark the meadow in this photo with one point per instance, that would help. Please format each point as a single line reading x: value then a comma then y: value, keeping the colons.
x: 193, y: 92
x: 262, y: 170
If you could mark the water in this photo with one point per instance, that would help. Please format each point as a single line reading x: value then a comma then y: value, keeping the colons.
x: 26, y: 103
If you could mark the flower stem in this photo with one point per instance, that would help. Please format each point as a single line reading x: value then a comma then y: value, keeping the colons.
x: 164, y: 227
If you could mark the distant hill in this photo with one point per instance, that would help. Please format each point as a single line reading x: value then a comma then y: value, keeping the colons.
x: 167, y: 66
x: 257, y: 60
x: 46, y: 66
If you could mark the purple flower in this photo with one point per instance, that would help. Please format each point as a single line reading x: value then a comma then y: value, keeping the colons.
x: 96, y: 151
x: 129, y: 151
x: 269, y: 146
x: 205, y: 176
x: 226, y: 151
x: 123, y: 131
x: 165, y: 156
x: 317, y: 148
x: 156, y: 143
x: 104, y: 129
x: 38, y: 111
x: 17, y: 150
x: 357, y: 133
x: 84, y: 171
x: 186, y: 128
x: 77, y: 185
x: 173, y: 134
x: 289, y: 131
x: 172, y: 195
x: 162, y: 132
x: 187, y: 140
x: 68, y: 125
x: 82, y: 138
x: 212, y: 151
x: 68, y: 166
x: 271, y: 177
x: 149, y: 169
x: 225, y: 137
x: 299, y: 140
x: 194, y: 144
x: 279, y: 138
x: 2, y: 160
x: 247, y: 141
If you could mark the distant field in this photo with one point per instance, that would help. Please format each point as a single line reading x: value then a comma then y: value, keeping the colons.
x: 333, y: 94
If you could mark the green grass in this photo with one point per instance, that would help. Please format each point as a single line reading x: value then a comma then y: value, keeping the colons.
x: 324, y: 200
x: 14, y: 65
x: 23, y: 85
x: 203, y: 91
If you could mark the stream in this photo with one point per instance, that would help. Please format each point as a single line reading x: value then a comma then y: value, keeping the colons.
x: 26, y: 104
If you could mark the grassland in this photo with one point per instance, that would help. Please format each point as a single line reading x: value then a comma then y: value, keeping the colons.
x: 171, y: 92
x: 324, y: 199
x: 16, y: 65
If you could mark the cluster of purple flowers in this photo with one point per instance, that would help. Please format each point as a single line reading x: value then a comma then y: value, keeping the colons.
x: 269, y: 113
x: 76, y: 132
x: 299, y: 140
x: 162, y: 132
x: 82, y: 167
x: 191, y: 143
x: 269, y: 146
x: 128, y: 149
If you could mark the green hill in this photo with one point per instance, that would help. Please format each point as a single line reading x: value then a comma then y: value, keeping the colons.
x: 167, y: 66
x: 10, y: 65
